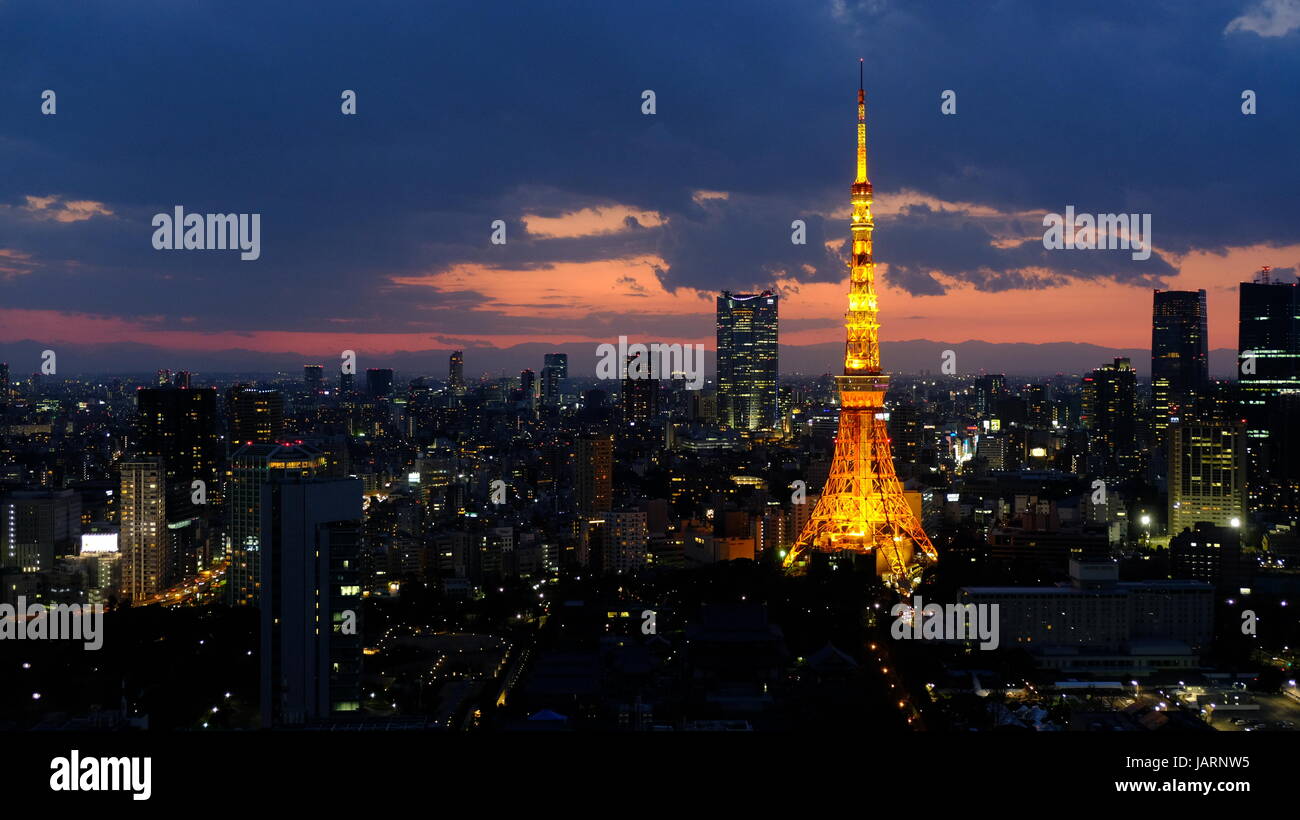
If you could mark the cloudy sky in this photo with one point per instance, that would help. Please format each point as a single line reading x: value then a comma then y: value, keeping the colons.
x: 375, y: 228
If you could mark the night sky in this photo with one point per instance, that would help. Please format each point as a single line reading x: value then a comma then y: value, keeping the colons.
x: 375, y: 228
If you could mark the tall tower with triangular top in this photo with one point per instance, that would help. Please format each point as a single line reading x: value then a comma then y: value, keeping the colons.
x: 862, y: 508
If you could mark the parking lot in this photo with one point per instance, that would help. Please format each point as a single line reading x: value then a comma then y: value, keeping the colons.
x: 1273, y: 715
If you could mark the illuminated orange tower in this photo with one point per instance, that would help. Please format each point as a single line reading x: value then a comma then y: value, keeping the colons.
x: 862, y: 509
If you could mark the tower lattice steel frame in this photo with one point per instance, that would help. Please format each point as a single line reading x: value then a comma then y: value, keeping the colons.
x: 862, y: 508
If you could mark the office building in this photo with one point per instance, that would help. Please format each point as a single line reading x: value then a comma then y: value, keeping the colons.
x: 555, y: 369
x: 747, y: 361
x: 528, y: 386
x: 36, y: 527
x: 256, y: 415
x: 1110, y: 417
x: 379, y: 382
x: 179, y: 425
x: 1098, y: 624
x: 640, y: 398
x: 906, y: 433
x: 456, y: 372
x: 1268, y: 340
x: 313, y: 377
x: 1207, y: 472
x: 1268, y: 368
x: 251, y: 466
x: 311, y: 608
x: 101, y: 562
x: 1208, y: 553
x: 987, y: 391
x: 1179, y: 353
x: 594, y: 468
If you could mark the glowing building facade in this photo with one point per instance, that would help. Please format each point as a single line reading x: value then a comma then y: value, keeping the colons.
x: 747, y: 361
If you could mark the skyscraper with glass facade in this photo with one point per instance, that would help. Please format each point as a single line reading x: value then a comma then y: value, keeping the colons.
x: 747, y: 361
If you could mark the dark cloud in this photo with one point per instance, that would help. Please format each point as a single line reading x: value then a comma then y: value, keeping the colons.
x: 921, y: 242
x: 744, y: 242
x: 467, y: 115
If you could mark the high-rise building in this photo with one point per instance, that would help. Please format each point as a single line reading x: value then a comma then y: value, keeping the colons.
x: 379, y: 382
x: 862, y: 509
x: 640, y: 399
x: 180, y: 426
x: 1179, y: 353
x: 256, y: 415
x: 905, y: 435
x: 993, y: 449
x: 1268, y: 339
x: 251, y: 466
x: 528, y: 385
x: 313, y: 376
x: 1040, y: 412
x: 1110, y: 417
x: 988, y: 389
x: 557, y: 361
x: 311, y: 637
x: 456, y: 372
x: 555, y: 369
x: 1268, y: 368
x: 143, y: 541
x: 747, y: 361
x: 626, y: 541
x: 1277, y: 489
x: 99, y: 562
x: 347, y: 383
x: 36, y: 527
x: 1207, y: 472
x: 594, y: 468
x: 5, y: 395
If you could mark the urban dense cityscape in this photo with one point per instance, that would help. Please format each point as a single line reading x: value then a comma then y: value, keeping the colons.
x: 565, y: 514
x: 561, y: 551
x: 544, y: 551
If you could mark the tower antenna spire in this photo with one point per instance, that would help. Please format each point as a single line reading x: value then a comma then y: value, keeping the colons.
x: 863, y: 508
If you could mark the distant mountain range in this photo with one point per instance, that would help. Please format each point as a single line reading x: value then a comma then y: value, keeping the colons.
x: 1021, y: 359
x: 913, y: 356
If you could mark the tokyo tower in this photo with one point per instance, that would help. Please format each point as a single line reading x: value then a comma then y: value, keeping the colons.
x: 862, y: 508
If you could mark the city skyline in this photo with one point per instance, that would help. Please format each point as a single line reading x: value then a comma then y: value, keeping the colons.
x: 394, y: 377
